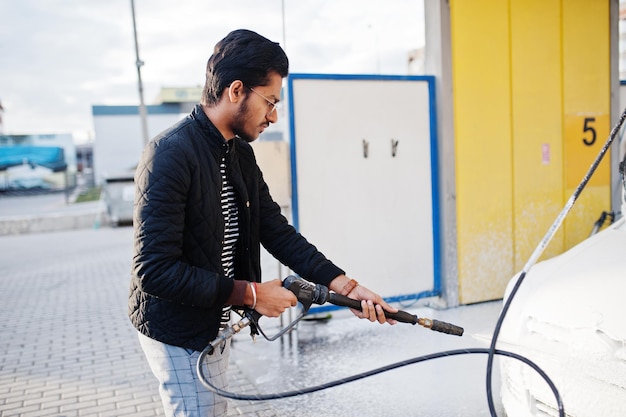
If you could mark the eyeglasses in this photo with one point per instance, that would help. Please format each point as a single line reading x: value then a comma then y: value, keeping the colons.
x: 273, y: 106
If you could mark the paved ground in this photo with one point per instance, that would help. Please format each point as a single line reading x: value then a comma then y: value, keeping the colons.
x: 68, y: 349
x: 66, y: 345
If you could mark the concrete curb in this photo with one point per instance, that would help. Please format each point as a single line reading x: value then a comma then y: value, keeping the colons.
x: 54, y: 222
x: 72, y: 216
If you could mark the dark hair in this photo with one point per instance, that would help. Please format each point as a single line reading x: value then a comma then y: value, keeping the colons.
x: 242, y: 55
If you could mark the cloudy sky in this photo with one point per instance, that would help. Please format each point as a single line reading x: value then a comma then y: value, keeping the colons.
x: 60, y: 57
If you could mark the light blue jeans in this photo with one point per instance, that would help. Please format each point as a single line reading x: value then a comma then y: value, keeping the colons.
x: 182, y: 393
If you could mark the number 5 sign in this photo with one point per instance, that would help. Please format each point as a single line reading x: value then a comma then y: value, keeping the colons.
x: 588, y: 127
x: 582, y: 143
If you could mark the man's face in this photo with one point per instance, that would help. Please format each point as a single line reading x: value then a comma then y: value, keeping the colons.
x: 255, y: 112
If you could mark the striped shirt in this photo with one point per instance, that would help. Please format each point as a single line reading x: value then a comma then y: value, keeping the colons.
x: 231, y: 231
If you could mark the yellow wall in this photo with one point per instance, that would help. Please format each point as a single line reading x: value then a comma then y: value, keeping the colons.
x: 586, y: 81
x: 481, y: 85
x: 537, y: 131
x: 526, y: 74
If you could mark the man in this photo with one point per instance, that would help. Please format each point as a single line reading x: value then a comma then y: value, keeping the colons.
x: 202, y: 209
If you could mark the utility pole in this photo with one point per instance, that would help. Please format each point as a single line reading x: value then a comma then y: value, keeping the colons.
x: 139, y: 63
x: 284, y: 33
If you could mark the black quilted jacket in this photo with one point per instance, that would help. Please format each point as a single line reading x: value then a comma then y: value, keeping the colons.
x: 178, y: 287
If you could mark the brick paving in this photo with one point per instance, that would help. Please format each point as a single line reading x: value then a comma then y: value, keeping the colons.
x: 68, y: 349
x: 66, y: 345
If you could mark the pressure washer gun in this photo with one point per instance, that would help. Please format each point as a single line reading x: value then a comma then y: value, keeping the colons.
x: 308, y: 294
x: 319, y: 294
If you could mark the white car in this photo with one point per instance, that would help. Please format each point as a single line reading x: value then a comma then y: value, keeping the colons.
x: 569, y: 317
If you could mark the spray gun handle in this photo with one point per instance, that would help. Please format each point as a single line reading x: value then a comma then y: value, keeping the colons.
x: 306, y: 292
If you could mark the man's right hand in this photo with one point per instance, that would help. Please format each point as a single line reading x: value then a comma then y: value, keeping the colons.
x: 271, y: 298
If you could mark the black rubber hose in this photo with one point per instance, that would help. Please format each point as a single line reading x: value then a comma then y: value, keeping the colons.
x: 308, y: 390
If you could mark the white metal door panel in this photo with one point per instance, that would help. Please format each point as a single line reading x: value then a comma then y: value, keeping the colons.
x: 362, y: 159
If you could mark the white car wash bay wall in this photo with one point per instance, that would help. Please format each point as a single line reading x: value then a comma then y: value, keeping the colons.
x: 364, y: 175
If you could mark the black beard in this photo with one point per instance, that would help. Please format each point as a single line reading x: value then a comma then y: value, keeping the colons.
x: 240, y: 121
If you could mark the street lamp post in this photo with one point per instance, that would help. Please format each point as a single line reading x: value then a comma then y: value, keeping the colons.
x: 139, y: 63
